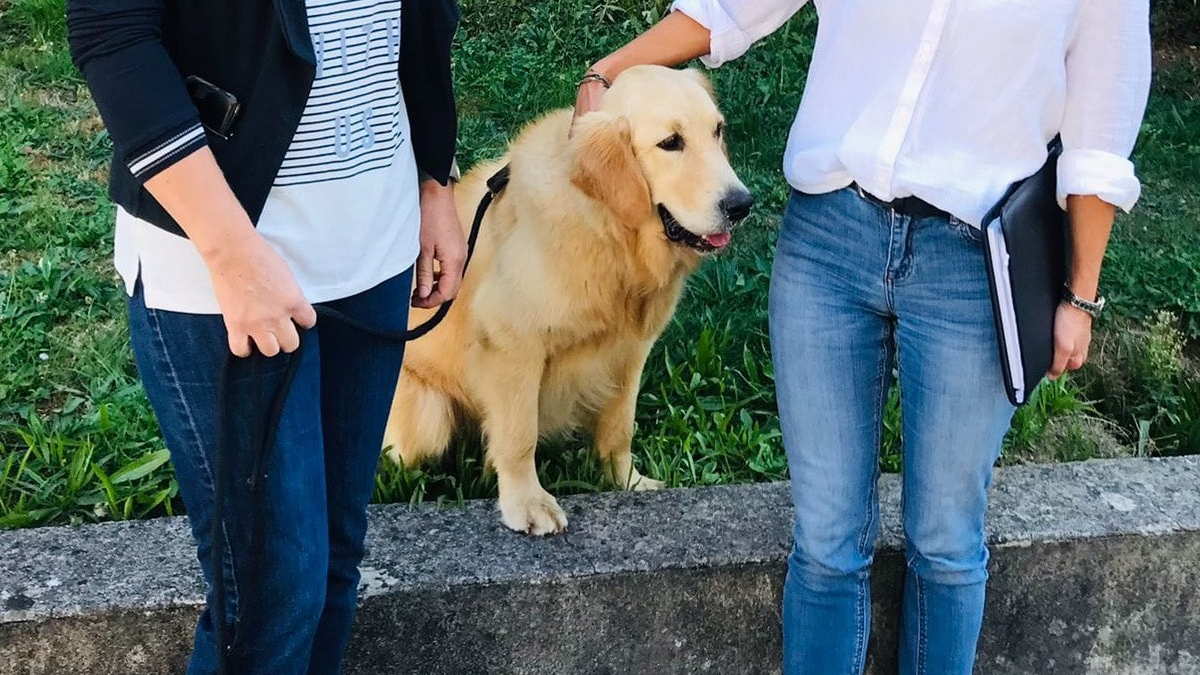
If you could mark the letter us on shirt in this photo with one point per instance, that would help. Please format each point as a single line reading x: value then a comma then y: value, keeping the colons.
x: 354, y: 119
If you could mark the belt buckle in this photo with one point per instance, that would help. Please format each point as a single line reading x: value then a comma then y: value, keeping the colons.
x: 872, y: 198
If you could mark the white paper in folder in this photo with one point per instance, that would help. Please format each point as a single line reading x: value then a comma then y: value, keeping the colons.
x: 1008, y: 313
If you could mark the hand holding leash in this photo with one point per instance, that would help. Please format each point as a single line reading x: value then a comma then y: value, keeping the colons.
x: 260, y: 300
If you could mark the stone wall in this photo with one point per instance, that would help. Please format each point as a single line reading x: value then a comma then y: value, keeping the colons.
x: 1095, y: 571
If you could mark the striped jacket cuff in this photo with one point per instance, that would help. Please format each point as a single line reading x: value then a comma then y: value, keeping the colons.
x: 173, y: 147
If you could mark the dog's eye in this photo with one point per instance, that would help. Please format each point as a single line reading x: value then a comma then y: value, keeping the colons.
x: 672, y: 144
x: 720, y: 130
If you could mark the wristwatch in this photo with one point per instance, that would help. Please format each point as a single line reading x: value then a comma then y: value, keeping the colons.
x: 1092, y: 309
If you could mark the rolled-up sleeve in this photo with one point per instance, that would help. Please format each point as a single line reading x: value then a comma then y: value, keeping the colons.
x: 140, y: 93
x: 1108, y: 82
x: 736, y: 24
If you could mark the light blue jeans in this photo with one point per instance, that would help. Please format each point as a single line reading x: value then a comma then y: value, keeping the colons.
x: 855, y: 285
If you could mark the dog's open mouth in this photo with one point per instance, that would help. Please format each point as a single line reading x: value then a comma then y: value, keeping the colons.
x: 681, y: 235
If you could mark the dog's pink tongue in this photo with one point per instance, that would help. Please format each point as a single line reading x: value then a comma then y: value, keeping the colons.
x: 719, y: 240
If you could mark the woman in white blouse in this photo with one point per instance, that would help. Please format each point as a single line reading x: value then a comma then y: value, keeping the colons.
x: 916, y: 116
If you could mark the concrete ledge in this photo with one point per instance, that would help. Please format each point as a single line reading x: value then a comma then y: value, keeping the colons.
x: 1096, y: 571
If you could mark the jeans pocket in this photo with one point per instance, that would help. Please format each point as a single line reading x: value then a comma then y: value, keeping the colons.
x: 970, y: 233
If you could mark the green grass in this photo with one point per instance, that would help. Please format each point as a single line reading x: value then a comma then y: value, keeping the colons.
x: 1154, y: 259
x: 77, y: 441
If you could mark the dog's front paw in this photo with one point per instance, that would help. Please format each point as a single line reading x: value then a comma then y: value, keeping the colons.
x: 533, y: 512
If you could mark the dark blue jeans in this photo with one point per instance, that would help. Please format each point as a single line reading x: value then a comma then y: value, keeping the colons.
x: 293, y: 551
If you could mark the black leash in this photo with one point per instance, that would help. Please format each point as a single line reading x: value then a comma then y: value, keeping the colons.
x: 263, y: 437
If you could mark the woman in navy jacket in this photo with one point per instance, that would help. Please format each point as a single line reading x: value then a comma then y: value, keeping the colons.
x: 329, y: 182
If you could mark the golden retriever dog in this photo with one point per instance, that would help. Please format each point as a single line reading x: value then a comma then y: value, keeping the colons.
x: 578, y: 268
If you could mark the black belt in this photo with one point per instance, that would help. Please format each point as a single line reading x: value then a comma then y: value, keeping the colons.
x: 914, y: 207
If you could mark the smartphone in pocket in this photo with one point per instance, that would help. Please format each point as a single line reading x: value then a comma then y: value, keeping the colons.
x: 218, y: 108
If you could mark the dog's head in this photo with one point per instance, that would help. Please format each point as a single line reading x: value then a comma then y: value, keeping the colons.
x: 655, y: 155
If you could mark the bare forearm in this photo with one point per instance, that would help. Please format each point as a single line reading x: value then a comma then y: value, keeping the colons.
x: 674, y: 40
x: 195, y: 193
x: 1091, y: 221
x: 443, y: 254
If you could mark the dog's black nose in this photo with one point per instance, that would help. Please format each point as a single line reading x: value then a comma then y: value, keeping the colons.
x: 736, y: 205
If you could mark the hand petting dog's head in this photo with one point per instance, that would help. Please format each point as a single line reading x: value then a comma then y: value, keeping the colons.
x: 655, y: 155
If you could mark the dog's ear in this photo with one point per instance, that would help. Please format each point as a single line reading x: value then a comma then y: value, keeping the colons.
x: 604, y: 167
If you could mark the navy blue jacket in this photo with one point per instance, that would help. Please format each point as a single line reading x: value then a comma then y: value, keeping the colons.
x: 136, y: 54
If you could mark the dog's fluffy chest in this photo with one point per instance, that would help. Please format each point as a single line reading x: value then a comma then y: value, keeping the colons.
x: 602, y: 317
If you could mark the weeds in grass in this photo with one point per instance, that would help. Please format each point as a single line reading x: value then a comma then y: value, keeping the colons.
x: 1140, y: 378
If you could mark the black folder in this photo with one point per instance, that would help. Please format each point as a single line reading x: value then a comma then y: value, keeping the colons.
x: 1025, y: 237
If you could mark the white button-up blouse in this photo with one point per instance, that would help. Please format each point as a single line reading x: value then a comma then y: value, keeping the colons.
x: 953, y: 100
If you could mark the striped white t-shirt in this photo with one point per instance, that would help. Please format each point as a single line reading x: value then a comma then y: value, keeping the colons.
x: 343, y: 211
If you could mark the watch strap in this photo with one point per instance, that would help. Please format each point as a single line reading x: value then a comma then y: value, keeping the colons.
x: 1093, y: 309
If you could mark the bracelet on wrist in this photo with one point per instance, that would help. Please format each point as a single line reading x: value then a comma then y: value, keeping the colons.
x: 593, y: 76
